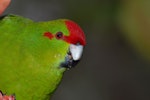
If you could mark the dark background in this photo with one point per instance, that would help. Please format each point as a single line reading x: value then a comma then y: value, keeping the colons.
x: 115, y: 64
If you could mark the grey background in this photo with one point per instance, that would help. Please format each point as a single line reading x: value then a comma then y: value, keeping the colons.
x: 110, y: 68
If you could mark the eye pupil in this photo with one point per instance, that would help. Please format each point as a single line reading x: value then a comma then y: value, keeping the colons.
x: 59, y: 35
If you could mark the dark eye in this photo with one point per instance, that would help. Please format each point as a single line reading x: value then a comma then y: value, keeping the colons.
x: 59, y: 35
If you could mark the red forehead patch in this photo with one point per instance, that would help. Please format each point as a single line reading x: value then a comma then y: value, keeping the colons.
x: 76, y: 33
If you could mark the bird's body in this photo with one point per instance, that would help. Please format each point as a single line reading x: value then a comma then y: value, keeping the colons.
x: 31, y: 55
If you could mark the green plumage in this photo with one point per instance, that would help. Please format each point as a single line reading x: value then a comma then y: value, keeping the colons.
x: 29, y: 62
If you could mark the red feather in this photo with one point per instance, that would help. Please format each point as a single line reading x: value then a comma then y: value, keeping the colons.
x: 76, y: 33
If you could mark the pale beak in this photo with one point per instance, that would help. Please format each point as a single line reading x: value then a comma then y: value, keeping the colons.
x: 73, y: 56
x: 76, y: 51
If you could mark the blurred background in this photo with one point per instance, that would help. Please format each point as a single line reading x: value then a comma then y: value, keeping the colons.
x: 116, y: 59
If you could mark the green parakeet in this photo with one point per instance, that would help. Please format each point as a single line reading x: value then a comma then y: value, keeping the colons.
x: 34, y: 55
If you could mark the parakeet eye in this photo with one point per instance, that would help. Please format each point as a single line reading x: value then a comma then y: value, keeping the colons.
x: 59, y: 35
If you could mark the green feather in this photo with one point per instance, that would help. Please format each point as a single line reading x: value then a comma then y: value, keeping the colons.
x: 29, y: 62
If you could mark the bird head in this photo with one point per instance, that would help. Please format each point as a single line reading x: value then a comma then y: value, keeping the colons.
x: 72, y: 35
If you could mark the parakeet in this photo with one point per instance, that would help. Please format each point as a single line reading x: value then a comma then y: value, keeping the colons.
x: 34, y: 55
